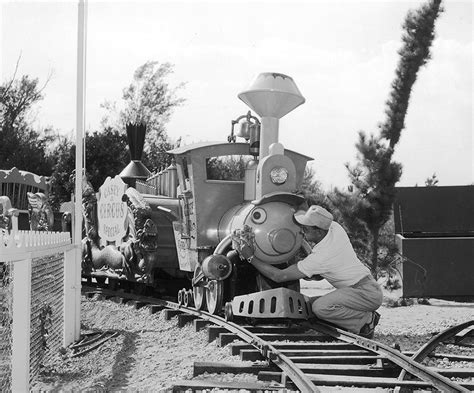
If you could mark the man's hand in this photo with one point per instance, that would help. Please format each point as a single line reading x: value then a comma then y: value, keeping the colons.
x: 243, y: 241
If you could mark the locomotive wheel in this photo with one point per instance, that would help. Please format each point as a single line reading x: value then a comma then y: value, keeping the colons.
x: 229, y: 315
x: 188, y: 298
x: 181, y: 296
x: 214, y: 296
x: 199, y: 294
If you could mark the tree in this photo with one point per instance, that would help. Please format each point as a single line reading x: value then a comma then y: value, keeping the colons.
x: 149, y: 100
x: 61, y: 182
x: 22, y: 146
x: 312, y: 189
x: 431, y: 181
x: 226, y: 167
x: 375, y: 175
x: 106, y: 155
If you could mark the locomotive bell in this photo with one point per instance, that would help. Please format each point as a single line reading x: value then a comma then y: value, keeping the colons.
x: 217, y: 267
x: 254, y: 139
x: 251, y: 133
x: 244, y: 130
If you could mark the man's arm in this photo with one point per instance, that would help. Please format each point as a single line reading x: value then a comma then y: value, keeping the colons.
x: 278, y: 275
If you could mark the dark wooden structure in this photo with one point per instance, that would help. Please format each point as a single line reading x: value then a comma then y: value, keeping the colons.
x: 435, y: 234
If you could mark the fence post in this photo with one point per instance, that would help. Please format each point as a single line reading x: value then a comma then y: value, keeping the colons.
x: 21, y: 325
x: 72, y: 296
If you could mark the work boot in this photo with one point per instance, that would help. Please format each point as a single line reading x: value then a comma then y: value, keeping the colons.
x: 368, y: 329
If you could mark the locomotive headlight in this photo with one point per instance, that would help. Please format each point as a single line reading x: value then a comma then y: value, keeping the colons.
x: 259, y: 215
x: 278, y: 175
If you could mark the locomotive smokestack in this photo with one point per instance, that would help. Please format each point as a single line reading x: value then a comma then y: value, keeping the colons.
x: 136, y: 140
x: 271, y: 96
x: 135, y: 169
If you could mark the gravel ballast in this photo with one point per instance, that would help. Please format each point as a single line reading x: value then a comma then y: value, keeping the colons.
x: 150, y: 352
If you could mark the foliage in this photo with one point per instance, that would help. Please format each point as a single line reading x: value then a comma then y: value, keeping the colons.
x: 431, y: 181
x: 22, y: 146
x: 149, y: 100
x: 106, y: 155
x: 344, y: 208
x: 418, y: 35
x: 311, y: 188
x: 375, y: 175
x: 61, y: 184
x: 226, y: 167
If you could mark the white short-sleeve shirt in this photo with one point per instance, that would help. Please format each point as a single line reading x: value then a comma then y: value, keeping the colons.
x: 334, y: 259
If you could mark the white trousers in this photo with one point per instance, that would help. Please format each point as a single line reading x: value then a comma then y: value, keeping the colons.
x: 350, y: 307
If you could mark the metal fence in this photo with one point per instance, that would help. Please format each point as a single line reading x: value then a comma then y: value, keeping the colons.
x: 47, y: 310
x: 6, y: 303
x: 40, y: 294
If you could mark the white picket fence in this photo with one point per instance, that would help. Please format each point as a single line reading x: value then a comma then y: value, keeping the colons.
x: 40, y: 301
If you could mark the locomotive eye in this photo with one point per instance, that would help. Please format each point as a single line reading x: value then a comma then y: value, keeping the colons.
x: 278, y: 175
x: 259, y: 216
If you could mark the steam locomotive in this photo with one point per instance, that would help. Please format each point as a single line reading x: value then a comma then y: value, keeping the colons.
x: 202, y: 218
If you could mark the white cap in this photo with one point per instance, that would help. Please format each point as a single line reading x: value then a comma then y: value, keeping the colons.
x: 315, y: 216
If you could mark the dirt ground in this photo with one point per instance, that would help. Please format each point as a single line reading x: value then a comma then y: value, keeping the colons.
x: 150, y: 353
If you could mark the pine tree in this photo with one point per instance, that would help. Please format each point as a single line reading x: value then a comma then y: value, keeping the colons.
x: 376, y: 173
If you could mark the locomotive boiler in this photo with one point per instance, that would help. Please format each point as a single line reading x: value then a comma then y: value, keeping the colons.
x: 213, y: 217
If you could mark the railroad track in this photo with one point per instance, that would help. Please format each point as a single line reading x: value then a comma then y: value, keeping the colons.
x: 307, y: 356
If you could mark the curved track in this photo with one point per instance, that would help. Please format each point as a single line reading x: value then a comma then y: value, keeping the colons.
x: 318, y: 354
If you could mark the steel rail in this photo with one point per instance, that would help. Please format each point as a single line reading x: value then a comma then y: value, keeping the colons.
x: 429, y: 346
x: 290, y: 369
x: 409, y: 364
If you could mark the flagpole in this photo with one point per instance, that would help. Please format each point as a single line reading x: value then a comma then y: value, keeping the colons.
x: 80, y: 124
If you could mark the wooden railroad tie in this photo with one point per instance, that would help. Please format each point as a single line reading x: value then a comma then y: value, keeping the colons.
x: 200, y: 324
x: 154, y: 308
x: 136, y: 304
x: 184, y: 319
x: 201, y: 385
x: 168, y: 313
x: 229, y: 368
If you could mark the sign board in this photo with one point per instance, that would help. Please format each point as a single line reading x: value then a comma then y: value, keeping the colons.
x: 112, y: 210
x: 185, y: 257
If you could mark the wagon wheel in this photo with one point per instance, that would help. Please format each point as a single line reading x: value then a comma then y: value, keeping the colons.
x: 214, y: 296
x: 199, y: 293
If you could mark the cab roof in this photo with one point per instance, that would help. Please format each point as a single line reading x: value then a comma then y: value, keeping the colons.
x: 240, y: 147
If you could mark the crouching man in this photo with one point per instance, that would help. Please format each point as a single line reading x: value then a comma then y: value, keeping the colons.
x: 352, y: 305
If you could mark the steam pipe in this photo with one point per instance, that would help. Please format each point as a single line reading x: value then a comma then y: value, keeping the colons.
x: 268, y: 135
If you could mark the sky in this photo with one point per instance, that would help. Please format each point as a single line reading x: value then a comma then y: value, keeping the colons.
x: 341, y: 54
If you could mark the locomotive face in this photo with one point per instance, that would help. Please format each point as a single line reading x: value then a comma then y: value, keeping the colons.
x: 277, y: 236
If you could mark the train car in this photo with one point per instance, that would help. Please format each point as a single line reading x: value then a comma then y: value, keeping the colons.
x: 211, y: 216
